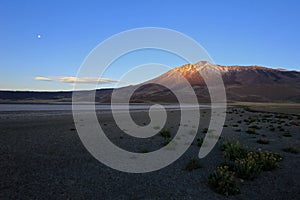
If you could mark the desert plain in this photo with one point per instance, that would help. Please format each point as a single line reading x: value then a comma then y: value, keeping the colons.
x: 42, y: 156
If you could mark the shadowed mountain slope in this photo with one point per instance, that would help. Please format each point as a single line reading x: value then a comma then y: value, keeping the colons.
x: 242, y: 83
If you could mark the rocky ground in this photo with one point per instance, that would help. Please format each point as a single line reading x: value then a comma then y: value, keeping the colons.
x: 41, y: 156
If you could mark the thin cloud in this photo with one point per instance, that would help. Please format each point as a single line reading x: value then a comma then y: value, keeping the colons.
x: 73, y: 80
x: 40, y: 78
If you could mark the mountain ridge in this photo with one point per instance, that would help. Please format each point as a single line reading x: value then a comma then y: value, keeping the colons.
x: 242, y: 83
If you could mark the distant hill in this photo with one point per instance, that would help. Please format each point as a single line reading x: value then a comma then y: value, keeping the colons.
x: 242, y: 83
x: 47, y: 97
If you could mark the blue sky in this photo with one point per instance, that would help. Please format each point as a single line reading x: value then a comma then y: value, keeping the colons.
x: 260, y: 32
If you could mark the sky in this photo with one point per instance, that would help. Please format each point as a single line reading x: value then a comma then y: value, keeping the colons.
x: 43, y: 43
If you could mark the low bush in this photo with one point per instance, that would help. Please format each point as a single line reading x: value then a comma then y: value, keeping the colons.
x: 291, y: 149
x: 268, y: 160
x: 252, y: 119
x: 205, y: 130
x: 287, y: 134
x: 144, y: 151
x: 199, y: 142
x: 251, y: 131
x: 262, y: 141
x: 233, y: 150
x: 255, y: 127
x: 294, y: 123
x: 166, y: 142
x: 248, y: 168
x: 193, y: 164
x: 223, y: 181
x: 245, y: 163
x: 165, y: 133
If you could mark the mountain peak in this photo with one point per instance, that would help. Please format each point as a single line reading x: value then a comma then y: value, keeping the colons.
x: 191, y: 68
x: 242, y: 83
x: 205, y: 66
x: 201, y: 63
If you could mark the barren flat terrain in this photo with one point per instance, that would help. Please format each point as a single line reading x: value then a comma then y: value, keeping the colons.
x: 287, y: 108
x: 41, y: 156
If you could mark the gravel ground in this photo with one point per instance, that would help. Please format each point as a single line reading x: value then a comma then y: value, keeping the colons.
x: 42, y: 157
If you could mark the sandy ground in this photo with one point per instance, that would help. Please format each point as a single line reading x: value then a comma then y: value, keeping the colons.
x: 41, y: 157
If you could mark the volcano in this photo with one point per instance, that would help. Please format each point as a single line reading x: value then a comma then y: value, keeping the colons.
x: 242, y: 84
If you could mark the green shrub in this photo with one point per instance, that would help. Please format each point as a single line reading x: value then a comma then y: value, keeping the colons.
x: 165, y: 133
x: 245, y: 163
x: 247, y: 109
x: 254, y: 127
x: 144, y: 151
x: 283, y: 116
x: 291, y: 149
x: 268, y: 160
x: 205, y: 130
x: 251, y: 131
x: 294, y: 123
x: 272, y: 128
x: 267, y: 115
x: 262, y: 141
x: 287, y: 134
x: 229, y: 164
x: 252, y: 119
x: 248, y: 168
x: 200, y: 142
x: 166, y: 142
x: 223, y: 181
x: 233, y: 150
x: 193, y: 164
